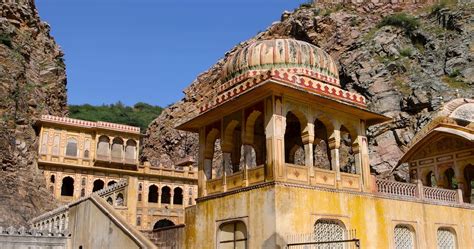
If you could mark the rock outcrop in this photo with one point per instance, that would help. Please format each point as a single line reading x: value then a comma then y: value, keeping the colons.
x: 405, y: 74
x: 32, y: 82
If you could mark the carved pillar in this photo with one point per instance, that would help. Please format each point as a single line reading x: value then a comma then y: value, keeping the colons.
x: 308, y: 140
x: 361, y: 155
x: 334, y: 144
x: 460, y: 178
x: 159, y: 196
x: 275, y: 124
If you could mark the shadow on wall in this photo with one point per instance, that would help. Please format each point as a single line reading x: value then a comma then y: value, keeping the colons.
x: 274, y: 242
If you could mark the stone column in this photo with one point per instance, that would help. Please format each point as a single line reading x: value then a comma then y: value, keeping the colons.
x: 361, y: 155
x: 275, y: 124
x: 334, y: 144
x: 159, y: 196
x: 202, y: 164
x: 308, y: 140
x: 459, y: 175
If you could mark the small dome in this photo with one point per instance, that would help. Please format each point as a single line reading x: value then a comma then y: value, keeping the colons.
x: 298, y: 56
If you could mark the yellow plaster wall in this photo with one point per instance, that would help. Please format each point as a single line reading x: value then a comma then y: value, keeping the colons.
x: 271, y: 213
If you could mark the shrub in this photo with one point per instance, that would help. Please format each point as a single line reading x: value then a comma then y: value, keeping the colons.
x: 406, y: 52
x: 6, y: 40
x: 401, y: 20
x: 454, y: 73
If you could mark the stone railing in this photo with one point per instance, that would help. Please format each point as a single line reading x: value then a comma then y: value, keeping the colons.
x: 420, y: 192
x: 439, y: 194
x: 396, y: 188
x: 22, y: 231
x: 112, y: 188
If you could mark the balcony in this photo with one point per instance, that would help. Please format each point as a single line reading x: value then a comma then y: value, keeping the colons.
x: 117, y: 162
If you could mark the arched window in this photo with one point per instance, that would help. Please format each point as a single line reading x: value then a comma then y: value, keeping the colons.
x: 117, y: 148
x: 404, y: 237
x: 152, y: 194
x: 446, y: 238
x: 166, y: 195
x: 52, y: 179
x: 346, y: 155
x: 110, y: 183
x: 67, y: 188
x: 322, y: 153
x: 140, y: 187
x: 190, y: 201
x: 98, y: 185
x: 87, y: 148
x: 110, y: 201
x: 178, y: 196
x: 233, y: 235
x: 139, y: 196
x: 83, y: 192
x: 430, y: 179
x: 294, y: 150
x: 163, y: 223
x: 83, y: 181
x: 190, y: 192
x: 329, y: 230
x: 103, y: 147
x: 71, y: 147
x: 130, y: 150
x: 119, y: 199
x: 451, y: 181
x: 44, y: 143
x: 55, y: 150
x: 139, y: 221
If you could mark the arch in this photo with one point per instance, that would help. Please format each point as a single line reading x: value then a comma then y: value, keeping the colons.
x: 178, y: 196
x: 469, y: 177
x: 430, y: 179
x: 210, y: 140
x: 321, y: 151
x: 139, y: 197
x: 451, y: 182
x: 139, y: 220
x: 97, y: 185
x: 71, y: 147
x: 404, y: 236
x: 152, y: 194
x: 190, y: 201
x: 346, y: 154
x: 87, y: 148
x: 131, y: 150
x: 250, y: 126
x: 83, y: 192
x: 140, y: 187
x: 293, y: 140
x: 119, y: 199
x: 329, y: 230
x: 446, y: 238
x: 117, y: 148
x: 56, y: 140
x: 83, y: 181
x: 110, y: 200
x: 44, y: 143
x: 229, y: 135
x: 232, y: 235
x: 67, y: 187
x: 231, y: 143
x: 166, y: 195
x: 111, y: 182
x: 103, y: 146
x: 52, y: 178
x: 163, y: 223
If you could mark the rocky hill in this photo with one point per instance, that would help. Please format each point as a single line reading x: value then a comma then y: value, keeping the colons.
x: 407, y: 60
x: 32, y: 82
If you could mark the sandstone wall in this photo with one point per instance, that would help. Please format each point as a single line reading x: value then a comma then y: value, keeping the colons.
x: 32, y: 82
x: 406, y: 76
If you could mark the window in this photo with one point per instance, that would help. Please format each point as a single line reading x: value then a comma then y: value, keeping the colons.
x: 166, y: 195
x: 98, y: 185
x: 190, y: 201
x: 111, y: 183
x: 110, y: 201
x: 163, y: 223
x: 233, y: 235
x: 56, y: 145
x: 117, y: 148
x: 83, y: 192
x: 44, y: 143
x: 87, y: 148
x: 83, y: 181
x: 178, y: 196
x: 451, y: 180
x: 404, y: 237
x: 153, y: 194
x: 67, y: 188
x: 130, y: 150
x: 329, y: 230
x: 140, y: 187
x: 139, y: 196
x: 71, y: 147
x: 446, y: 238
x: 139, y: 221
x: 103, y: 146
x: 294, y: 150
x: 52, y: 179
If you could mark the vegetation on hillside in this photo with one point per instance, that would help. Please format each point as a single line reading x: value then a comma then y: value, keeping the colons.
x: 141, y: 114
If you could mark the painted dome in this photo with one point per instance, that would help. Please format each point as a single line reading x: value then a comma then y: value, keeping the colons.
x: 298, y: 57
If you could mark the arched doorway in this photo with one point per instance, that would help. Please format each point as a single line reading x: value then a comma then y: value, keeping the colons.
x: 469, y: 175
x: 163, y: 223
x: 67, y: 187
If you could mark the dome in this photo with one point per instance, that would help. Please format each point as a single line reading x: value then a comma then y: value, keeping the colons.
x: 299, y: 57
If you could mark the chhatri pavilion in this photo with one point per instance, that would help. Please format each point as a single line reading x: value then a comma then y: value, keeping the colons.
x: 295, y: 163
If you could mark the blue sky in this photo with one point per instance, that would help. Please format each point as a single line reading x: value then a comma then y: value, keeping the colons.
x: 149, y: 50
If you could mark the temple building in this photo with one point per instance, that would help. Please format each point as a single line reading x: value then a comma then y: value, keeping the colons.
x: 295, y: 163
x: 79, y: 157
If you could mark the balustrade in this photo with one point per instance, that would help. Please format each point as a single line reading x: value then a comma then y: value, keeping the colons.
x: 439, y: 194
x: 396, y: 188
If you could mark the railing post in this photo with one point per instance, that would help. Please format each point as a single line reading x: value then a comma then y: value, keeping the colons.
x: 419, y: 190
x: 460, y: 196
